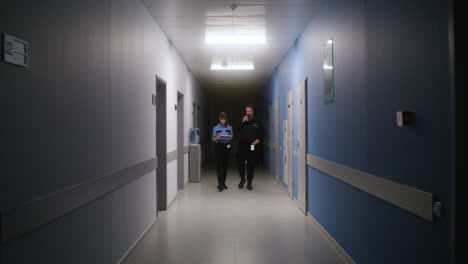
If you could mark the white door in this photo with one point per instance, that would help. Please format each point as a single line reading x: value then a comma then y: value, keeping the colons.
x: 285, y: 152
x: 277, y: 139
x: 301, y: 142
x: 289, y: 142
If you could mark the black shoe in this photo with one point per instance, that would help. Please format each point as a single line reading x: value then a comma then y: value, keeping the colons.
x: 225, y: 187
x: 241, y: 184
x: 220, y: 188
x: 249, y: 186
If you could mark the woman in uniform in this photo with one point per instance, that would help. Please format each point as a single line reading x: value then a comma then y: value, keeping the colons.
x: 222, y: 136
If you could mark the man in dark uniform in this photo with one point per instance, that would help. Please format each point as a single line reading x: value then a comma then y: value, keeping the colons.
x: 250, y: 136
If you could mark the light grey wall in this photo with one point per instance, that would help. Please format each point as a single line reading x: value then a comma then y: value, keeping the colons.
x: 80, y: 111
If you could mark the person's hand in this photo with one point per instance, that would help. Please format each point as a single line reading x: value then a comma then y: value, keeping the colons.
x: 256, y: 142
x: 246, y: 118
x: 218, y: 137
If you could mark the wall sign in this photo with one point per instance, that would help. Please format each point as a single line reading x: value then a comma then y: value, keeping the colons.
x: 15, y: 51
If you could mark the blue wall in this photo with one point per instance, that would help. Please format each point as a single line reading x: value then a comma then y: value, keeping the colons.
x: 389, y: 56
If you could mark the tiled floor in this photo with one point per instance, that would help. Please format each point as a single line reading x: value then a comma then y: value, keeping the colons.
x: 204, y: 226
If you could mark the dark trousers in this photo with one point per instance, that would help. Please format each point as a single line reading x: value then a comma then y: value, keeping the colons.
x: 245, y: 154
x: 222, y: 158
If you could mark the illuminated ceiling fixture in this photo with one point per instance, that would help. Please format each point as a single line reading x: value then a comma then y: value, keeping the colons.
x: 234, y: 39
x: 233, y: 35
x: 231, y: 65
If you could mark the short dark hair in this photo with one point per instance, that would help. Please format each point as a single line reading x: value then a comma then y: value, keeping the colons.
x: 250, y: 106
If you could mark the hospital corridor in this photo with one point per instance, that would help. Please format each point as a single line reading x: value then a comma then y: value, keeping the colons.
x: 231, y: 132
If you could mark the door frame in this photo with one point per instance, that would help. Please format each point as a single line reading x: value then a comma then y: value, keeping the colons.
x: 277, y: 138
x: 457, y: 89
x: 290, y: 141
x: 301, y: 113
x: 285, y: 153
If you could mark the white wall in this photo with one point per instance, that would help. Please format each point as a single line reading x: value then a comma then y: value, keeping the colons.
x: 171, y: 181
x: 186, y: 168
x: 188, y: 86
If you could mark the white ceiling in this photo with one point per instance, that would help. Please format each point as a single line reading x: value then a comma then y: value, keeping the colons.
x: 186, y: 23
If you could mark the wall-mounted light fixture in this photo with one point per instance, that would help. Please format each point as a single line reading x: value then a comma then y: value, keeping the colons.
x: 220, y: 66
x: 328, y: 73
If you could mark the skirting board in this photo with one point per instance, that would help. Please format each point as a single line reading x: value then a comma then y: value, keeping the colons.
x: 341, y: 252
x: 130, y: 251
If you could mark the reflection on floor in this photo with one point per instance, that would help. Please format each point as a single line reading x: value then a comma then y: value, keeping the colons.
x: 262, y: 226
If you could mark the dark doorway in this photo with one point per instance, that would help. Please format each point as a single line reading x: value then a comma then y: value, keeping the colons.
x: 194, y: 115
x: 161, y: 147
x: 180, y: 141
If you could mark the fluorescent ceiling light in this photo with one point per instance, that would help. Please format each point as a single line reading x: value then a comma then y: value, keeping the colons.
x: 235, y: 35
x: 218, y: 21
x: 218, y: 66
x: 235, y: 39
